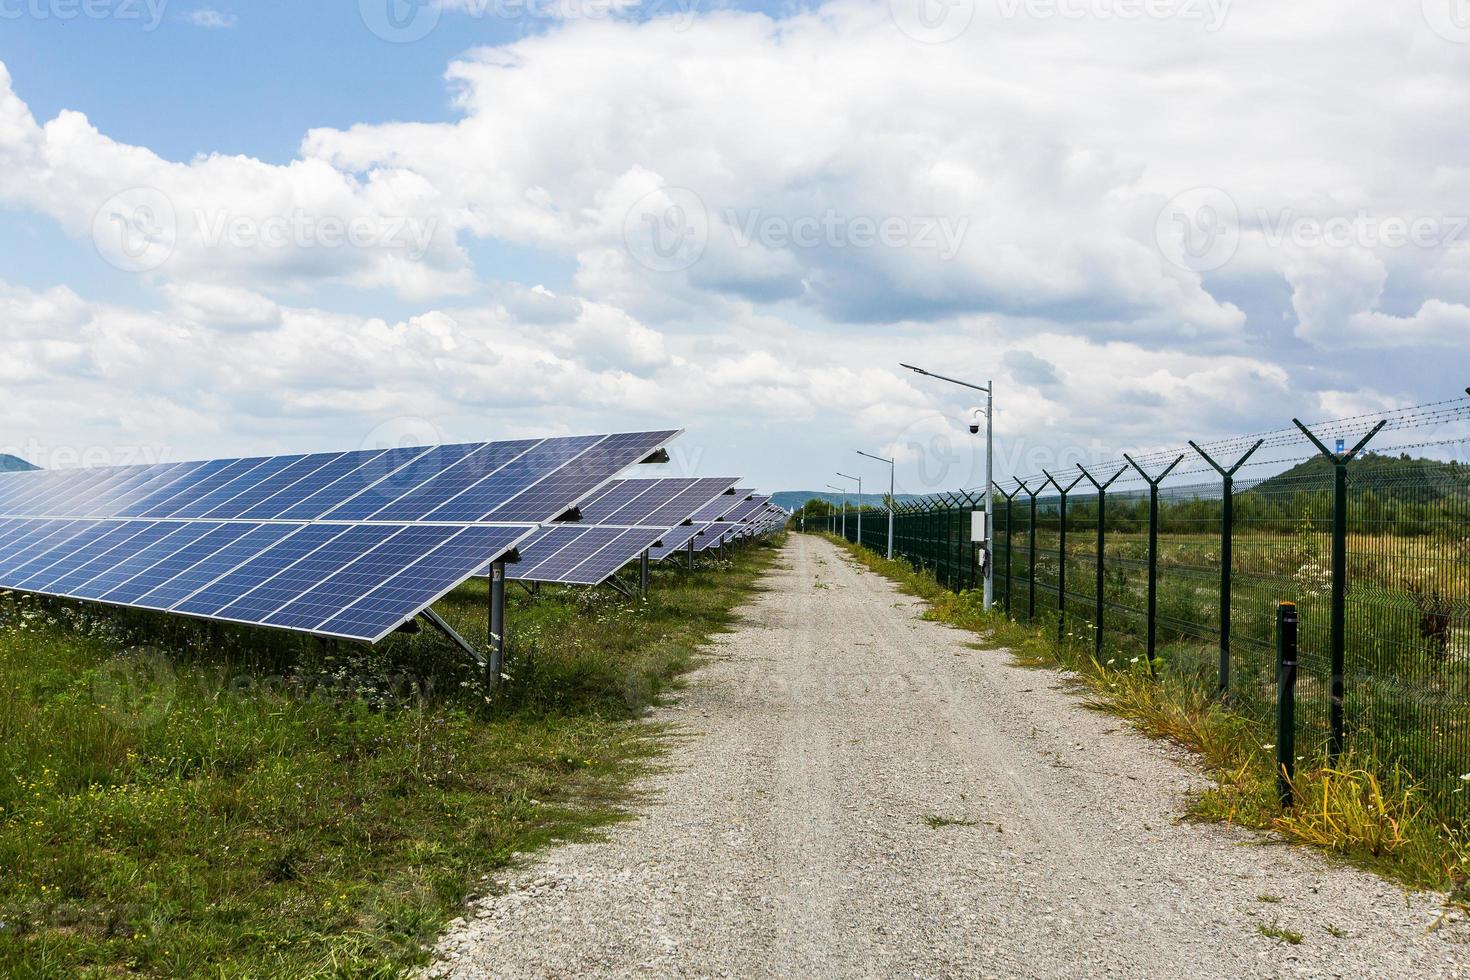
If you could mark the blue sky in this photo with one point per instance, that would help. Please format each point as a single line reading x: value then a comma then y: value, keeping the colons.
x: 1147, y: 229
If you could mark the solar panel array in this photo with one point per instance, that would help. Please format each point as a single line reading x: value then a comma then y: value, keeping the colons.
x: 349, y: 545
x: 701, y: 521
x: 745, y: 520
x: 617, y: 525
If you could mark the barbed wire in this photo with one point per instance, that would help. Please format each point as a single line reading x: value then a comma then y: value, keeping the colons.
x: 1227, y: 449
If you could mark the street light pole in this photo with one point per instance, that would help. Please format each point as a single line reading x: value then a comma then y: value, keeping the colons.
x: 989, y: 389
x: 843, y: 491
x: 891, y: 467
x: 859, y: 504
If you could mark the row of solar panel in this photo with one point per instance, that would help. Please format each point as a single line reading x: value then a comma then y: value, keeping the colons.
x: 359, y: 581
x: 661, y: 503
x: 580, y: 555
x: 520, y: 481
x: 617, y: 525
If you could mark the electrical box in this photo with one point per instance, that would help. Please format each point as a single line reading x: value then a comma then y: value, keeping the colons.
x: 978, y: 527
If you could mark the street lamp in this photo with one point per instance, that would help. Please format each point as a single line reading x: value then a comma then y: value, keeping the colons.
x: 891, y: 468
x: 989, y: 410
x: 859, y: 504
x: 843, y: 491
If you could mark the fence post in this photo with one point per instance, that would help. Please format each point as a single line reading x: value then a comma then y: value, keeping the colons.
x: 1102, y: 515
x: 1031, y: 556
x: 1286, y: 628
x: 1338, y: 640
x: 1227, y: 534
x: 1009, y: 516
x: 1062, y: 553
x: 1153, y: 551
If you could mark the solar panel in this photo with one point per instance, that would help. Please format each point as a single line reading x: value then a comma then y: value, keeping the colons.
x: 677, y: 541
x: 347, y: 544
x: 618, y: 524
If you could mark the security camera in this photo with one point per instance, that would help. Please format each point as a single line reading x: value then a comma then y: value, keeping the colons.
x: 975, y: 420
x: 974, y: 427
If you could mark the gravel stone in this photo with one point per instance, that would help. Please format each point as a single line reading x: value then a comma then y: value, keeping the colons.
x: 789, y: 836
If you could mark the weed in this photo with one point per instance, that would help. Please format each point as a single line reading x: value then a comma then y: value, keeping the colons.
x: 1275, y: 931
x: 935, y: 821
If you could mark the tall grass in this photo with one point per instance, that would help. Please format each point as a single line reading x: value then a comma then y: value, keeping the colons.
x: 178, y: 798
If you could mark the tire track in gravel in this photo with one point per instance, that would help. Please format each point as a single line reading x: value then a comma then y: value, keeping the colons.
x: 788, y: 834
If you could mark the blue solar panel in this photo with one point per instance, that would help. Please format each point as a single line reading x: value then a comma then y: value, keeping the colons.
x: 676, y: 540
x: 138, y: 590
x: 37, y: 543
x: 493, y: 461
x: 422, y: 583
x: 306, y: 470
x: 157, y: 564
x: 258, y: 569
x: 202, y: 504
x: 100, y: 540
x: 584, y: 474
x: 403, y: 480
x: 649, y: 509
x: 355, y: 578
x: 327, y: 486
x: 255, y: 539
x: 118, y: 565
x: 515, y: 478
x: 613, y: 498
x: 293, y: 541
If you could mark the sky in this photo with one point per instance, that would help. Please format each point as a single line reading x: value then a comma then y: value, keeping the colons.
x: 231, y: 228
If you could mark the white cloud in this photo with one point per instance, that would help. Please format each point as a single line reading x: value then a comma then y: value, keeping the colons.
x: 212, y: 20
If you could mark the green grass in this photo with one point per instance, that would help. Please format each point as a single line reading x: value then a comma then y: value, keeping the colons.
x: 177, y: 798
x: 1379, y: 822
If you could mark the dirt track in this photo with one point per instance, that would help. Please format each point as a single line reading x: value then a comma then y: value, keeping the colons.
x: 796, y: 833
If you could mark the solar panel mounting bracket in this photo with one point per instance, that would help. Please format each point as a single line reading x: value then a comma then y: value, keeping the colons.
x: 658, y: 456
x: 438, y: 623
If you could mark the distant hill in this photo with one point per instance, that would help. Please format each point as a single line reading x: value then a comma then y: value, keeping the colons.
x: 11, y: 464
x: 792, y: 499
x: 1392, y: 477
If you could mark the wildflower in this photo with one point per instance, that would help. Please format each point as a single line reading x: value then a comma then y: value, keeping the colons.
x: 1269, y: 745
x: 1465, y: 778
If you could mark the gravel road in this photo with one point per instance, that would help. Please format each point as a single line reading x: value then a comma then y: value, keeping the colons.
x: 803, y: 830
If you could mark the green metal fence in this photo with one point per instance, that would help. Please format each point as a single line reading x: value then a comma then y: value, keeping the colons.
x: 1375, y: 552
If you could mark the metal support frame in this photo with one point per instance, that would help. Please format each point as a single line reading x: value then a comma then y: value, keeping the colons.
x: 691, y: 554
x: 643, y: 573
x: 1338, y: 640
x: 439, y: 623
x: 1101, y: 584
x: 1227, y: 534
x: 1061, y: 552
x: 616, y: 584
x: 1153, y: 551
